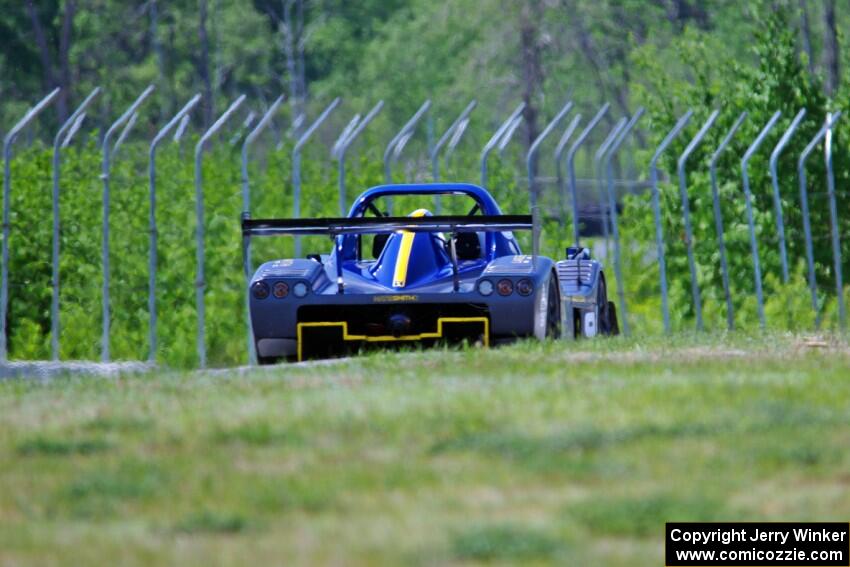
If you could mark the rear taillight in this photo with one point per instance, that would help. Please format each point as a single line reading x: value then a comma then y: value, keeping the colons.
x: 524, y: 287
x: 505, y: 287
x: 260, y: 290
x: 280, y: 290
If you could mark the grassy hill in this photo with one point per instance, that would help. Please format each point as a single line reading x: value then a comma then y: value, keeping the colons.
x: 554, y: 453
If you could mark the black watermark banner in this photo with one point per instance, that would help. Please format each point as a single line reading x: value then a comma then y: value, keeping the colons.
x: 742, y: 544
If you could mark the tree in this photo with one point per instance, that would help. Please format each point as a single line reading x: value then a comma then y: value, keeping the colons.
x: 55, y: 60
x: 830, y: 48
x: 208, y: 103
x: 530, y: 19
x: 806, y: 35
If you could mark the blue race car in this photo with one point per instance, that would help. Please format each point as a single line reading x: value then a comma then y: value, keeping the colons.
x: 430, y: 278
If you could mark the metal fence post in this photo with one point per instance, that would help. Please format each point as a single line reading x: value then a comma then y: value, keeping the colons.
x: 178, y: 133
x: 152, y: 253
x: 128, y: 127
x: 457, y: 136
x: 352, y: 124
x: 612, y: 207
x: 600, y: 181
x: 508, y: 135
x: 718, y: 218
x: 559, y: 152
x: 656, y: 211
x: 200, y: 282
x: 9, y: 139
x: 531, y: 158
x: 494, y: 140
x: 405, y: 130
x: 246, y: 144
x: 106, y: 167
x: 777, y: 198
x: 435, y: 151
x: 750, y: 220
x: 804, y: 210
x: 343, y: 148
x: 72, y: 131
x: 245, y: 129
x: 246, y: 212
x: 296, y: 164
x: 686, y: 213
x: 571, y: 165
x: 63, y: 136
x: 833, y: 222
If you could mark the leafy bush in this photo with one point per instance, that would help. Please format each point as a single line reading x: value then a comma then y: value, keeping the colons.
x: 778, y: 82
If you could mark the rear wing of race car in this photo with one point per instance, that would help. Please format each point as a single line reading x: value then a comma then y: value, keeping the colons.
x: 333, y: 227
x: 384, y: 225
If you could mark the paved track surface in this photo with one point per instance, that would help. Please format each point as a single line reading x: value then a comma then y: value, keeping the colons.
x: 43, y: 369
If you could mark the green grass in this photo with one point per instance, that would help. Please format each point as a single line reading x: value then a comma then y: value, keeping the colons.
x: 561, y: 453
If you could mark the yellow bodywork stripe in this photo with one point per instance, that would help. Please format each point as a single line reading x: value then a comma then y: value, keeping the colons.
x: 403, y: 259
x: 389, y: 338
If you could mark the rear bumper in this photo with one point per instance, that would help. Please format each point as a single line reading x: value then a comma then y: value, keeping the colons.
x: 282, y: 327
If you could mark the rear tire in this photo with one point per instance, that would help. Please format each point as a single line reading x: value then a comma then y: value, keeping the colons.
x: 577, y: 332
x: 614, y: 323
x: 553, y: 309
x: 608, y: 324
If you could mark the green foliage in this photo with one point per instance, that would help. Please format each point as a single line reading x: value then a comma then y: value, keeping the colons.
x: 778, y: 82
x: 80, y: 265
x: 81, y: 218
